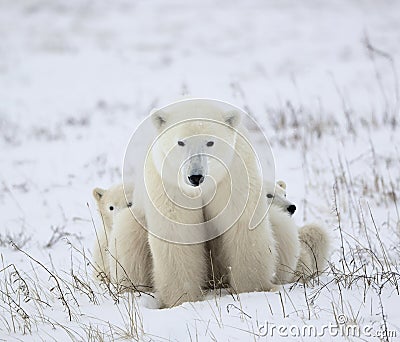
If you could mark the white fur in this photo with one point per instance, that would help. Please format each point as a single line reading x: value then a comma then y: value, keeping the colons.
x: 287, y: 237
x: 129, y: 254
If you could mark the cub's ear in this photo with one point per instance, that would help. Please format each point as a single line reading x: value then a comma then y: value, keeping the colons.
x: 232, y: 118
x: 98, y: 193
x: 282, y: 184
x: 159, y: 118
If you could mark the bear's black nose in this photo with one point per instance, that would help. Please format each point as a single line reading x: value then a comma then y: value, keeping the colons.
x: 291, y: 209
x: 196, y: 180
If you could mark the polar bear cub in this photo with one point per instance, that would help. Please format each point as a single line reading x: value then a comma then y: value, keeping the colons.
x: 109, y: 203
x: 285, y: 230
x: 127, y: 262
x: 129, y: 259
x: 302, y: 253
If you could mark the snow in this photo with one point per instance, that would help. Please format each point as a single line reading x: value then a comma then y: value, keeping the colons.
x: 77, y: 77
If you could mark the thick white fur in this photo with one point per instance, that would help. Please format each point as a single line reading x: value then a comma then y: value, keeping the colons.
x: 180, y: 271
x: 105, y: 199
x: 129, y: 253
x: 239, y: 254
x: 287, y: 237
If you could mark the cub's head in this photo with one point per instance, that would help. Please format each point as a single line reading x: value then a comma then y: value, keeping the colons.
x: 110, y: 201
x: 196, y: 142
x: 276, y: 195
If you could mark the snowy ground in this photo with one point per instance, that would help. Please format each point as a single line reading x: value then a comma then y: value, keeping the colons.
x: 76, y: 78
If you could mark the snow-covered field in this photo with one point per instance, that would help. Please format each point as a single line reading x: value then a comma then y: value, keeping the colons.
x: 77, y: 77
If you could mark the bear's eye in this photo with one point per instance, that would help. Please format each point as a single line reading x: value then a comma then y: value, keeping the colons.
x: 270, y: 195
x: 181, y: 143
x: 129, y: 204
x: 111, y: 208
x: 210, y: 143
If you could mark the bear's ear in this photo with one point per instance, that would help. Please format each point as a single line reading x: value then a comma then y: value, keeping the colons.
x: 98, y: 193
x: 159, y: 118
x: 232, y: 118
x: 282, y: 184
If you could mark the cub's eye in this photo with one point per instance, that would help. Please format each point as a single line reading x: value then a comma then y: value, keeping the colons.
x: 129, y: 204
x: 210, y: 143
x: 270, y: 195
x: 111, y: 208
x: 181, y: 143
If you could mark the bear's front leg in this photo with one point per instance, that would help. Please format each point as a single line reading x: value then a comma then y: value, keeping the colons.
x: 250, y: 257
x: 179, y: 271
x: 247, y: 257
x: 176, y: 239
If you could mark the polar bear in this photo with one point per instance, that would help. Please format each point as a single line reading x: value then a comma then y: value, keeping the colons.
x: 302, y: 253
x: 109, y: 203
x: 285, y: 231
x: 128, y: 262
x: 203, y: 183
x: 276, y: 194
x: 129, y: 258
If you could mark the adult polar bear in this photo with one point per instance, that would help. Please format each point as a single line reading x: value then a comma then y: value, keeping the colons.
x: 203, y: 192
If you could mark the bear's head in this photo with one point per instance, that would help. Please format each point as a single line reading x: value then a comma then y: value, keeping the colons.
x: 196, y: 142
x: 110, y: 201
x: 276, y: 195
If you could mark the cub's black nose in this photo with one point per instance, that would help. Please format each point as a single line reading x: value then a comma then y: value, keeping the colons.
x: 291, y: 209
x: 196, y: 180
